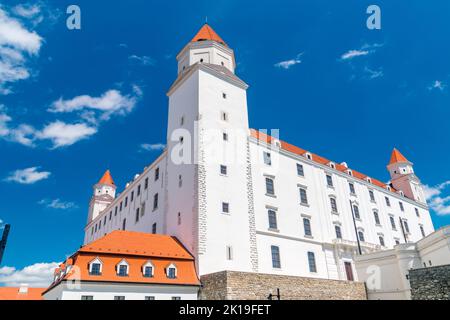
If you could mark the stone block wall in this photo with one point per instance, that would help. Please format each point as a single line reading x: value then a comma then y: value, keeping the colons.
x: 231, y: 285
x: 431, y: 283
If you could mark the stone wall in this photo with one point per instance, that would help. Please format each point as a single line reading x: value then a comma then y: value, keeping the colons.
x: 430, y: 283
x: 231, y: 285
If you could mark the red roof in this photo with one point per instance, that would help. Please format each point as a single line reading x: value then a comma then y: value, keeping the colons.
x: 207, y: 33
x: 10, y: 293
x: 397, y: 157
x: 316, y: 158
x: 107, y: 179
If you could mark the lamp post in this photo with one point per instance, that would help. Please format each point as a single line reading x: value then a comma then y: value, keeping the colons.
x: 356, y: 230
x: 3, y: 241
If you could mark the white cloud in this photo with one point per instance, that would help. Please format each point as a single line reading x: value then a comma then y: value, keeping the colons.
x: 26, y: 10
x: 57, y: 204
x: 2, y: 225
x: 144, y: 60
x: 36, y: 275
x: 28, y: 175
x: 437, y: 84
x: 289, y: 63
x: 152, y: 147
x: 354, y: 53
x: 62, y: 134
x: 112, y: 102
x: 373, y: 74
x: 438, y: 202
x: 17, y: 44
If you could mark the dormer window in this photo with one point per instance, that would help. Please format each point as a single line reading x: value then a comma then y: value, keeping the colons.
x: 308, y: 156
x: 349, y: 172
x: 171, y: 271
x: 332, y: 165
x: 122, y: 269
x: 95, y: 267
x: 148, y: 270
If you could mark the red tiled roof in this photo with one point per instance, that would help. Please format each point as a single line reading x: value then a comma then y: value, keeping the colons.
x: 396, y: 157
x: 207, y: 33
x: 316, y: 158
x: 106, y: 179
x: 10, y: 293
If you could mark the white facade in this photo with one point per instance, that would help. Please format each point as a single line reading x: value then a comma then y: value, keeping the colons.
x: 386, y: 272
x: 208, y: 129
x: 112, y: 291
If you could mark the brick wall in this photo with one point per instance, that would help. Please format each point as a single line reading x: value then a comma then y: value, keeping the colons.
x: 230, y: 285
x: 430, y: 283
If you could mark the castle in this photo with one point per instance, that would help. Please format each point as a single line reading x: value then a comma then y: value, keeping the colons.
x: 239, y: 199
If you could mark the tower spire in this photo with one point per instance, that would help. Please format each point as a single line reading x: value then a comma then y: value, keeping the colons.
x: 107, y: 179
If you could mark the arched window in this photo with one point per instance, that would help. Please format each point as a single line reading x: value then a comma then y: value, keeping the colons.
x: 376, y: 217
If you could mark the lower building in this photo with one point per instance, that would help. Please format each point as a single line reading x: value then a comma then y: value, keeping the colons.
x: 388, y: 273
x: 127, y: 266
x: 21, y: 293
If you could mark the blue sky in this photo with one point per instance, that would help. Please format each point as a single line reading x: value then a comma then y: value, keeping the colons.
x: 315, y: 71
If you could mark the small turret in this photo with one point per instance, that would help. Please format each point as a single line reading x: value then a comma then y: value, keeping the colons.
x: 103, y: 194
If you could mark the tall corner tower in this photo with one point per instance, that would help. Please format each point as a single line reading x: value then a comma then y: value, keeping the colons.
x: 208, y: 168
x: 403, y: 177
x: 104, y: 192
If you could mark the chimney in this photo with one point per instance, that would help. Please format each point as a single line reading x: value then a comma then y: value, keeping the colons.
x: 23, y: 288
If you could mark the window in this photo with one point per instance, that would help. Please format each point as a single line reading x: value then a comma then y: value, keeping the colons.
x: 224, y: 95
x: 139, y: 190
x: 272, y: 219
x: 156, y: 174
x: 119, y: 297
x: 137, y: 215
x: 303, y: 196
x: 391, y: 219
x: 225, y: 136
x: 154, y: 228
x: 381, y: 240
x: 225, y: 207
x: 223, y: 170
x: 422, y: 231
x: 270, y: 187
x: 155, y: 201
x: 333, y: 205
x: 146, y: 183
x: 142, y: 209
x: 182, y: 121
x: 300, y: 170
x: 87, y: 298
x: 124, y: 224
x: 120, y: 206
x: 110, y: 215
x: 397, y: 241
x: 267, y: 159
x: 126, y: 201
x: 312, y: 262
x: 149, y: 298
x: 176, y: 298
x: 92, y: 231
x: 388, y: 202
x: 224, y: 116
x: 376, y: 217
x: 96, y: 269
x: 352, y: 188
x: 171, y: 272
x: 372, y: 196
x: 307, y: 227
x: 361, y: 236
x: 180, y: 181
x: 95, y: 228
x: 229, y: 253
x: 405, y: 223
x: 329, y: 180
x: 401, y: 206
x: 276, y: 263
x: 148, y: 271
x: 356, y: 211
x: 338, y: 232
x: 115, y: 211
x: 123, y: 270
x: 417, y: 212
x: 179, y: 218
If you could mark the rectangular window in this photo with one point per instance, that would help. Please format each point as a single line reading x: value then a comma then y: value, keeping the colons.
x: 417, y: 212
x: 352, y: 188
x: 142, y: 208
x: 115, y: 211
x: 312, y: 262
x: 272, y: 219
x: 154, y: 228
x: 267, y: 158
x: 225, y: 136
x: 120, y: 206
x: 303, y: 196
x: 401, y: 206
x: 300, y: 170
x: 405, y: 223
x: 124, y: 224
x: 139, y: 190
x: 176, y: 298
x: 276, y: 263
x: 171, y: 273
x: 372, y: 196
x: 132, y: 196
x: 307, y: 227
x: 422, y: 231
x: 376, y: 217
x: 149, y: 298
x: 148, y: 272
x: 137, y: 215
x: 356, y: 212
x: 126, y: 201
x: 95, y: 269
x: 229, y: 253
x: 123, y: 270
x: 146, y: 184
x: 119, y: 297
x: 391, y: 219
x: 329, y: 180
x: 156, y: 174
x: 333, y: 205
x: 155, y: 201
x: 225, y: 207
x: 110, y: 215
x: 361, y: 236
x: 338, y: 232
x: 270, y: 187
x: 223, y: 170
x: 86, y: 298
x: 388, y: 202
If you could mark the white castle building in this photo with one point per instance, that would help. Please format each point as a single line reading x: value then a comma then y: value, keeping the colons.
x: 241, y: 200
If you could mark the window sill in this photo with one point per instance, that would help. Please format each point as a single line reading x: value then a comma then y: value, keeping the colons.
x: 330, y: 187
x: 273, y: 230
x: 226, y: 213
x: 271, y: 195
x: 335, y: 212
x: 373, y: 201
x: 304, y: 204
x: 378, y: 225
x: 309, y: 237
x: 353, y: 195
